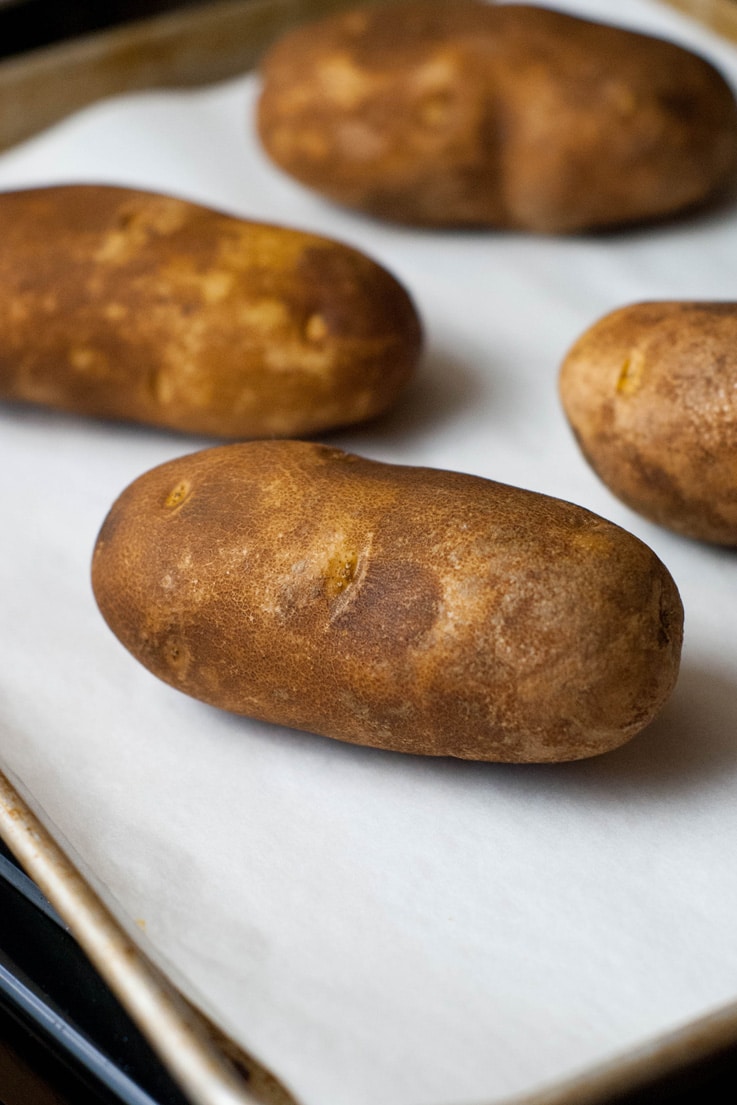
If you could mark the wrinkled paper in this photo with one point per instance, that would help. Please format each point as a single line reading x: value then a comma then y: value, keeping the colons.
x: 380, y: 928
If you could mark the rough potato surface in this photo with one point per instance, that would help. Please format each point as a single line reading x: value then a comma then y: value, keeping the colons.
x: 465, y: 113
x: 127, y: 305
x: 650, y: 391
x: 405, y: 608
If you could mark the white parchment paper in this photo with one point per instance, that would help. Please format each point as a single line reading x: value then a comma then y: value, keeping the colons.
x: 380, y: 928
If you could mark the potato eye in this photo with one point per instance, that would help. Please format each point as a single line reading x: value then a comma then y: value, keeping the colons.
x: 177, y: 495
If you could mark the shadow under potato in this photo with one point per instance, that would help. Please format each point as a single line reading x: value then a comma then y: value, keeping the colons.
x: 711, y: 209
x: 690, y: 745
x: 692, y: 742
x: 443, y: 388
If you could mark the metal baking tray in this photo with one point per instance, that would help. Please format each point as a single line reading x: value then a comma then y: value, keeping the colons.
x: 87, y: 1005
x: 54, y: 995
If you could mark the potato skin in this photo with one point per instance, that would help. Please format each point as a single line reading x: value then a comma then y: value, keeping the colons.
x: 128, y: 305
x: 404, y: 608
x: 510, y: 115
x: 650, y: 392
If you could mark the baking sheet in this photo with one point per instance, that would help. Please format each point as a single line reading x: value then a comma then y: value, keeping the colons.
x: 377, y: 927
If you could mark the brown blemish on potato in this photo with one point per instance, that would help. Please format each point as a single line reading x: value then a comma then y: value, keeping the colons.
x: 266, y: 315
x: 316, y: 329
x: 340, y: 573
x: 87, y: 360
x: 216, y: 285
x: 114, y: 248
x: 176, y: 656
x: 434, y: 109
x: 331, y: 285
x: 397, y: 604
x: 135, y: 225
x: 621, y: 96
x: 115, y: 311
x: 178, y: 495
x: 665, y: 637
x: 595, y: 540
x: 343, y: 82
x: 631, y: 373
x: 310, y: 142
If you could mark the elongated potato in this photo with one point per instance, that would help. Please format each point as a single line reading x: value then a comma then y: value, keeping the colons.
x: 405, y: 608
x: 650, y: 391
x: 502, y: 115
x: 127, y: 305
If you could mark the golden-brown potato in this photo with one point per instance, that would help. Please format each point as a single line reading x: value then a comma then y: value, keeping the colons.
x: 405, y: 608
x: 466, y: 113
x: 650, y: 391
x: 122, y: 304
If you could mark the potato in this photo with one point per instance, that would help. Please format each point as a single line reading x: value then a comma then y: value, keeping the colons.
x: 126, y: 305
x: 469, y: 114
x: 403, y: 608
x: 650, y: 391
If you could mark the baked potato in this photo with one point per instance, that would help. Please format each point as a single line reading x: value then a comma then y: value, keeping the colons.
x: 410, y: 609
x: 470, y: 114
x: 122, y: 304
x: 650, y: 392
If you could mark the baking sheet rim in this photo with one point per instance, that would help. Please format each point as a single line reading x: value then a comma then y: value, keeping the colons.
x: 664, y: 1055
x: 202, y: 1078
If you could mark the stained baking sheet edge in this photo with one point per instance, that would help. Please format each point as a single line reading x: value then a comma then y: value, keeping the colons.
x: 105, y: 55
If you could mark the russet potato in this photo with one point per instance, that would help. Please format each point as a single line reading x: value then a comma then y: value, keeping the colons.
x: 128, y: 305
x: 410, y: 609
x: 650, y: 391
x: 472, y: 114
